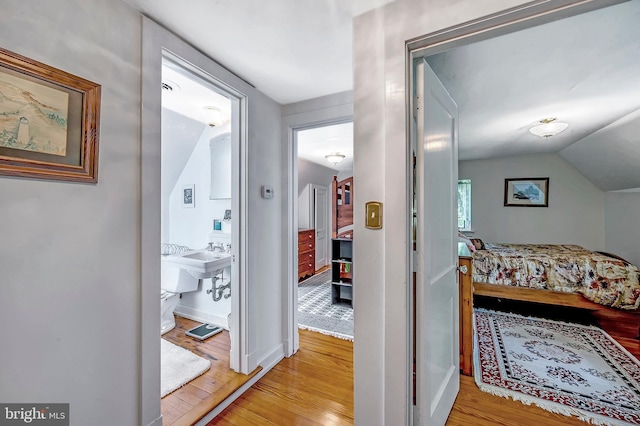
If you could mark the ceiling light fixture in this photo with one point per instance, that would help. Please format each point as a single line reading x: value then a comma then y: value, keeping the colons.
x: 216, y: 116
x: 548, y: 127
x: 334, y: 158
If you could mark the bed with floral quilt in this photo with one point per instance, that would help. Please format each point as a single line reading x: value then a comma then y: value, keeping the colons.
x: 565, y: 275
x: 600, y: 277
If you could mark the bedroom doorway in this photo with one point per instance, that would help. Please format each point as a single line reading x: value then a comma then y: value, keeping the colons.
x: 495, y: 211
x: 323, y: 157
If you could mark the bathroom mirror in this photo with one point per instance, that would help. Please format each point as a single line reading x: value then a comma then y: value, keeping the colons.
x: 220, y: 150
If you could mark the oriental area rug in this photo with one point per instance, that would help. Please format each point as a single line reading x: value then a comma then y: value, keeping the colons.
x: 315, y: 311
x: 571, y: 369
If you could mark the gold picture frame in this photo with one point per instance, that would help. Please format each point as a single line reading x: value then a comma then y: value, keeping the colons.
x: 49, y: 122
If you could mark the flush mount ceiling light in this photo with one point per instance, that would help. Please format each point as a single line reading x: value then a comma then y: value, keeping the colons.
x: 334, y: 158
x: 215, y: 116
x: 548, y: 127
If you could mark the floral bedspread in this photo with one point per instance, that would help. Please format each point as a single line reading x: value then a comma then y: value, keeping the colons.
x: 566, y: 268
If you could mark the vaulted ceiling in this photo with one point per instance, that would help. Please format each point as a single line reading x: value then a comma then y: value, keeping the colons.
x: 583, y: 70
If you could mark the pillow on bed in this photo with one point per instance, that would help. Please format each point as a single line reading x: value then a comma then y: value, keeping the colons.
x: 464, y: 239
x: 478, y: 243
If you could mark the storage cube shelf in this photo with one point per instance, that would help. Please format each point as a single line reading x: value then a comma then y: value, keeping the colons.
x: 341, y: 271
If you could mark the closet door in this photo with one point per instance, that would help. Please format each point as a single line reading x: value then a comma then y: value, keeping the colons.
x: 321, y: 206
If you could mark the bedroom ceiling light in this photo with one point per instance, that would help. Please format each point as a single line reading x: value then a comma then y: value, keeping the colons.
x: 334, y: 158
x: 548, y: 127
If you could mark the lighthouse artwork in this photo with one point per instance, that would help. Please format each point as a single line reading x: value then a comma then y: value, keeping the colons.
x: 33, y: 116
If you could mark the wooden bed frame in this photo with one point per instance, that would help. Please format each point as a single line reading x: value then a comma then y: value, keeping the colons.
x: 341, y: 206
x: 628, y: 322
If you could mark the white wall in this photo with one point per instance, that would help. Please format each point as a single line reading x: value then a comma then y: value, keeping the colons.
x: 69, y: 252
x: 622, y: 233
x: 311, y: 173
x: 193, y: 226
x: 381, y: 361
x: 180, y: 134
x: 570, y: 192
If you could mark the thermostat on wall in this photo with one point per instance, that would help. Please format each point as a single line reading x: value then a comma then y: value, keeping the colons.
x: 267, y: 192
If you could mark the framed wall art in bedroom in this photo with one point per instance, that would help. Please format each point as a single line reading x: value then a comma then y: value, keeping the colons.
x: 526, y: 192
x: 49, y: 121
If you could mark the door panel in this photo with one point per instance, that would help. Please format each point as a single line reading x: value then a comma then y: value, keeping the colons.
x: 321, y: 205
x: 437, y: 360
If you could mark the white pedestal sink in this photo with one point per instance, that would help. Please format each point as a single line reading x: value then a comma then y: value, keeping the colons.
x: 201, y: 263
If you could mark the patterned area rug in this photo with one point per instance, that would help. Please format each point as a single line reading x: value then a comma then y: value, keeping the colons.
x: 565, y: 368
x: 315, y: 311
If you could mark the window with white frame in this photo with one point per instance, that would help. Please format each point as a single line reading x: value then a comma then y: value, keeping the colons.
x: 464, y: 204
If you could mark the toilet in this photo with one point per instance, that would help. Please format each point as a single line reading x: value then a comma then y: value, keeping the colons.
x: 173, y: 282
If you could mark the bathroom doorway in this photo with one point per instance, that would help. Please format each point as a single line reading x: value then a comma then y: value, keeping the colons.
x: 200, y: 202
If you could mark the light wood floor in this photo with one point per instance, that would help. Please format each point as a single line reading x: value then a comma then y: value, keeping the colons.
x: 190, y: 403
x: 315, y: 387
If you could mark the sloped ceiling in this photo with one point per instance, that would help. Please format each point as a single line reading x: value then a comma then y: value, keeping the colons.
x: 583, y: 70
x: 180, y: 134
x: 610, y: 157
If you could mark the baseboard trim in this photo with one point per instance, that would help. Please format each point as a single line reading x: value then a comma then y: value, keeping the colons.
x: 269, y: 362
x: 201, y: 316
x: 156, y: 422
x: 273, y: 358
x: 251, y: 361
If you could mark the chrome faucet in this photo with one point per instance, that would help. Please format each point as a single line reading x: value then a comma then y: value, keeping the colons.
x: 228, y: 248
x: 215, y: 247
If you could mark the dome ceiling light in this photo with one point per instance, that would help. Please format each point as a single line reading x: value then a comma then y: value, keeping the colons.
x: 548, y: 127
x: 216, y: 116
x: 334, y: 158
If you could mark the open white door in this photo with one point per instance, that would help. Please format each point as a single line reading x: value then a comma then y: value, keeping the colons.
x: 437, y: 344
x: 320, y: 218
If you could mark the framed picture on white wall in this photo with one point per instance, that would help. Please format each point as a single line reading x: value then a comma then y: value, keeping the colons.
x: 189, y: 196
x: 526, y: 192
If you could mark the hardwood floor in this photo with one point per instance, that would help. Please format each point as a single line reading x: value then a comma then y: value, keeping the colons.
x: 190, y: 403
x: 476, y: 408
x: 313, y: 387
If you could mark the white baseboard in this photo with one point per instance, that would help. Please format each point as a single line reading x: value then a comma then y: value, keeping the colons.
x: 156, y: 422
x: 202, y: 316
x: 267, y: 364
x: 273, y: 358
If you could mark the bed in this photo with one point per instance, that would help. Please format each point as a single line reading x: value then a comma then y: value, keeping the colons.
x: 342, y: 208
x: 560, y: 275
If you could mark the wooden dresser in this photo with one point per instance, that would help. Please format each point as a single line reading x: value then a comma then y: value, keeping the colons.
x: 306, y: 253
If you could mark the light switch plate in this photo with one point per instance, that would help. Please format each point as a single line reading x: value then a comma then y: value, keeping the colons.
x: 374, y: 215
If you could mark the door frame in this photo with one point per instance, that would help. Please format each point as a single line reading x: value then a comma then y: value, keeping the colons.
x: 537, y: 12
x: 337, y: 114
x: 159, y: 43
x: 238, y: 219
